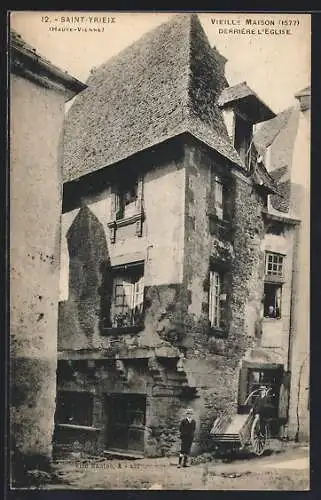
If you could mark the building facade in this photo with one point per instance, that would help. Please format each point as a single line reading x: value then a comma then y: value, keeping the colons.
x: 169, y: 270
x: 38, y: 92
x: 285, y: 144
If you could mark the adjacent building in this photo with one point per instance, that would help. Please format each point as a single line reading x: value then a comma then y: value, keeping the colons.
x: 284, y: 142
x: 176, y: 269
x: 38, y: 92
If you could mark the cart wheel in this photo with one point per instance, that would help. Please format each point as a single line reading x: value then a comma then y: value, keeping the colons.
x: 258, y: 440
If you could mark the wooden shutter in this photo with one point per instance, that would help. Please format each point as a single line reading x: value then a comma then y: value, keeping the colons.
x: 218, y: 197
x: 214, y: 297
x: 139, y: 292
x: 115, y: 203
x: 140, y: 191
x: 210, y: 299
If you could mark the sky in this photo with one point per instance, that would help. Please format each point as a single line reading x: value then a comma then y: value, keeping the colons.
x: 274, y: 66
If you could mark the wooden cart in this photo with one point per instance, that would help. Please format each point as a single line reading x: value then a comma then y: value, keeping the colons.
x: 240, y: 431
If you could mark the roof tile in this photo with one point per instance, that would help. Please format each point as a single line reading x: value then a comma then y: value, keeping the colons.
x: 162, y: 85
x: 266, y: 134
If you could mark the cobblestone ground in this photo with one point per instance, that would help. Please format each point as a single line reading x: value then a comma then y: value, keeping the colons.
x: 284, y: 469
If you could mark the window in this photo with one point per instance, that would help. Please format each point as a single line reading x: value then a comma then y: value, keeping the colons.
x: 127, y: 204
x: 217, y: 300
x: 274, y: 264
x: 218, y: 197
x: 274, y: 274
x: 74, y: 408
x: 128, y: 196
x: 220, y: 205
x: 243, y: 139
x: 272, y: 300
x: 127, y: 296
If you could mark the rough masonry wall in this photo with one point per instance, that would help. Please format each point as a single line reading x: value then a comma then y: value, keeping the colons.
x: 99, y: 378
x: 176, y: 313
x: 248, y: 265
x: 158, y: 381
x: 164, y: 414
x: 213, y: 362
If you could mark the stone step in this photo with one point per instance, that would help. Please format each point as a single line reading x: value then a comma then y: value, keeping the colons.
x: 131, y: 455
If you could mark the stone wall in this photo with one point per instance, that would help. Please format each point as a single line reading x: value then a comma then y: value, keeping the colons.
x: 176, y: 311
x: 162, y: 438
x: 213, y: 362
x: 157, y: 380
x: 36, y: 120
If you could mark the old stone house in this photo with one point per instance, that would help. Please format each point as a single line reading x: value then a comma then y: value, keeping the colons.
x: 165, y: 226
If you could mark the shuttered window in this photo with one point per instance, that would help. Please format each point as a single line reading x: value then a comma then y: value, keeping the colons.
x: 218, y: 197
x: 214, y: 299
x: 127, y: 296
x: 217, y: 300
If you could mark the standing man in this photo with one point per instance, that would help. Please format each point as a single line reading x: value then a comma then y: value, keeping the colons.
x: 187, y: 431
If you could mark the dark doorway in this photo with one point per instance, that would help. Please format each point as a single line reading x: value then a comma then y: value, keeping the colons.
x: 254, y: 377
x: 125, y: 427
x: 74, y: 408
x: 269, y: 377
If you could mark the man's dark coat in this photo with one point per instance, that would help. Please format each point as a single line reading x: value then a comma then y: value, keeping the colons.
x: 187, y: 430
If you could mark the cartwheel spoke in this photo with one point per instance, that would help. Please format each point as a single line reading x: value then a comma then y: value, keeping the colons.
x: 258, y: 439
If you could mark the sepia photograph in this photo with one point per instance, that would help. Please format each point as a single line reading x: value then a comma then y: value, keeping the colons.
x: 159, y: 250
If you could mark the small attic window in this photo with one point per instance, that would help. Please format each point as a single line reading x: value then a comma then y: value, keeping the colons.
x: 127, y: 203
x: 243, y: 133
x: 128, y: 196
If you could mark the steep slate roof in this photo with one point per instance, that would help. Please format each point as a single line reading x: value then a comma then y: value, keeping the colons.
x: 279, y: 134
x: 231, y: 94
x: 260, y: 175
x: 268, y: 131
x: 26, y: 61
x: 16, y: 41
x: 164, y: 84
x: 241, y: 92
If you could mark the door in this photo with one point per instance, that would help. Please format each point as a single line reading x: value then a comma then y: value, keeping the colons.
x: 126, y: 422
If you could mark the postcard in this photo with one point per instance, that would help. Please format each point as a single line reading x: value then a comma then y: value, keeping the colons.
x: 159, y: 250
